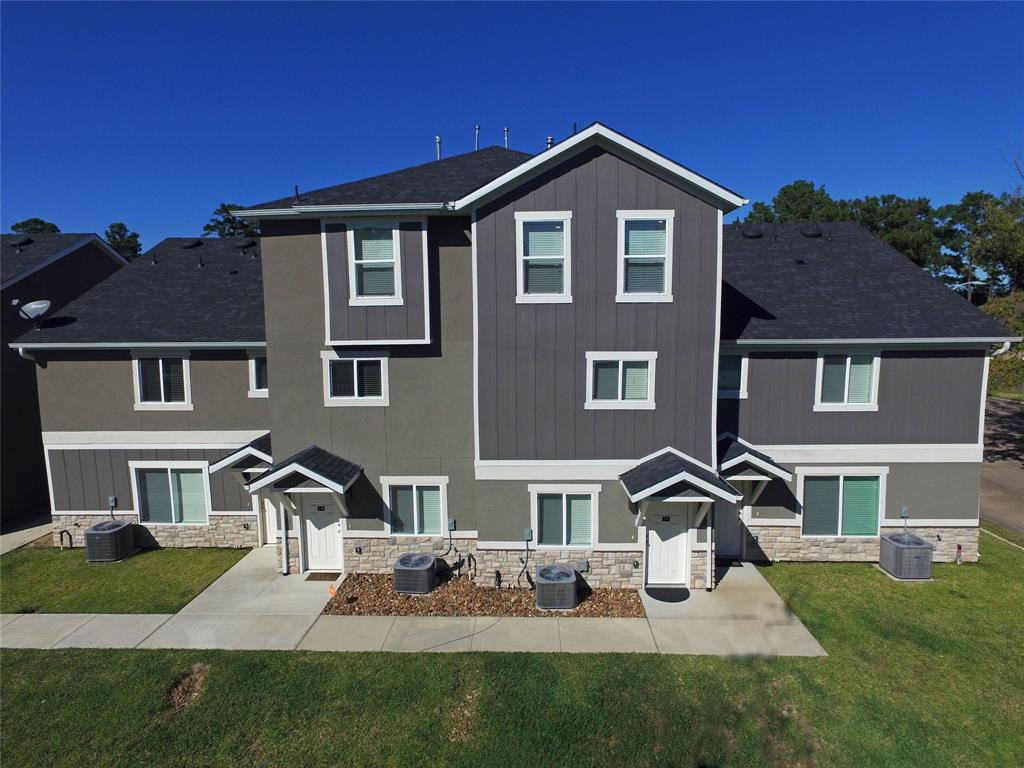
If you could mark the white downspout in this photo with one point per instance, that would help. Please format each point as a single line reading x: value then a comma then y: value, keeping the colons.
x: 283, y: 527
x: 710, y: 516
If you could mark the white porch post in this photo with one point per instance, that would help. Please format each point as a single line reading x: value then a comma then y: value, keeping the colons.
x: 301, y: 530
x: 710, y: 516
x: 283, y: 527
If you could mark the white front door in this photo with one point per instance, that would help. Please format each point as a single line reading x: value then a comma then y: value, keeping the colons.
x: 323, y: 533
x: 728, y: 530
x: 667, y: 542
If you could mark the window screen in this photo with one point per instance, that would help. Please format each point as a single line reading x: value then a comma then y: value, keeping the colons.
x: 860, y: 506
x: 645, y: 252
x: 549, y: 519
x: 821, y: 506
x: 580, y: 522
x: 403, y: 508
x: 544, y: 257
x: 374, y: 262
x: 342, y: 378
x: 260, y: 370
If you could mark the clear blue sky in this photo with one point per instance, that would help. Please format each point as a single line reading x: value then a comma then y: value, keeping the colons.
x: 155, y: 113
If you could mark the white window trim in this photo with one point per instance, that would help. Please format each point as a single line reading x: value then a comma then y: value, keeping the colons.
x: 620, y: 357
x: 134, y: 466
x: 396, y: 238
x: 253, y: 392
x: 620, y: 262
x: 819, y: 372
x: 186, y: 373
x: 594, y: 491
x: 801, y: 473
x: 387, y: 482
x: 565, y: 297
x: 333, y: 402
x: 741, y: 393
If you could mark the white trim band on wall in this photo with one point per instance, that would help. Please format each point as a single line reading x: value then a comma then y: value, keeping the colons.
x: 142, y: 439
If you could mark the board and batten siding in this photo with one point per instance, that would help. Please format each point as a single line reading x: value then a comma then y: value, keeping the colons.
x: 402, y: 322
x: 84, y: 479
x: 923, y: 397
x: 532, y: 357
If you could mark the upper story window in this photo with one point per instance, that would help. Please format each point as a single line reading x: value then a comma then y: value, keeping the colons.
x: 543, y: 257
x: 644, y: 263
x: 847, y: 382
x: 355, y: 380
x: 375, y: 274
x: 841, y: 501
x: 162, y: 383
x: 564, y: 516
x: 417, y: 505
x: 258, y: 386
x: 171, y: 493
x: 620, y: 380
x: 732, y: 377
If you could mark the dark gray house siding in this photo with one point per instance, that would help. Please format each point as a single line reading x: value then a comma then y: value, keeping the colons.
x: 427, y: 429
x: 532, y: 366
x: 393, y: 323
x: 923, y: 397
x: 94, y: 392
x: 83, y: 479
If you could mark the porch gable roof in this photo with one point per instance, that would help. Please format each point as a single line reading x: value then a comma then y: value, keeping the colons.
x: 670, y: 467
x: 734, y: 452
x: 314, y: 463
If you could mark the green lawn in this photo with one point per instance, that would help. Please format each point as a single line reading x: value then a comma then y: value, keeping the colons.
x: 1016, y: 538
x: 48, y: 580
x: 918, y: 675
x: 1008, y: 394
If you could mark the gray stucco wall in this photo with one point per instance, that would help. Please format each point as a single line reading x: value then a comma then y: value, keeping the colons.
x: 83, y: 479
x: 359, y: 323
x: 94, y: 391
x: 532, y: 356
x: 930, y: 491
x: 428, y: 427
x: 923, y: 397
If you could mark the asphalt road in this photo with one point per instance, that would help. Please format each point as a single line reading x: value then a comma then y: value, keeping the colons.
x: 1002, y: 474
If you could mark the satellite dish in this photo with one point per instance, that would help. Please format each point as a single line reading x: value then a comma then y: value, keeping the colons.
x: 34, y: 310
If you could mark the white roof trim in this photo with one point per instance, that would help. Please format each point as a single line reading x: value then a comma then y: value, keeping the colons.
x: 593, y: 133
x: 284, y: 471
x: 679, y: 478
x: 747, y: 458
x: 241, y: 453
x: 873, y: 342
x: 99, y: 241
x: 138, y: 345
x: 353, y: 209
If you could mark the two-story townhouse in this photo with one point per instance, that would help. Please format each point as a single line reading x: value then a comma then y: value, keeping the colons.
x: 501, y: 357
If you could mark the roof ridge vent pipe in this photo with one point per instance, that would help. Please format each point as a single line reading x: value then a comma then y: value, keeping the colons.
x: 437, y: 142
x: 506, y: 137
x: 476, y: 138
x: 296, y: 194
x: 551, y: 142
x: 811, y: 230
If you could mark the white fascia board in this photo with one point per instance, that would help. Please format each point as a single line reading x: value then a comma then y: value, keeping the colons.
x: 593, y: 134
x: 140, y: 345
x: 683, y: 477
x: 944, y: 341
x: 344, y: 210
x: 298, y: 468
x: 99, y: 241
x: 238, y: 455
x: 747, y: 458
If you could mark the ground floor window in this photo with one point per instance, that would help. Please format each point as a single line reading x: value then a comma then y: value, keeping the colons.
x: 171, y: 495
x: 416, y: 509
x: 844, y: 505
x: 564, y: 519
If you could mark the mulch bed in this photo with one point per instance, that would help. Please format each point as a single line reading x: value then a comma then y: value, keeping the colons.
x: 373, y: 595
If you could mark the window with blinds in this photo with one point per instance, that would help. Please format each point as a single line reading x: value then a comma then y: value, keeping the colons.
x: 356, y: 379
x: 622, y: 382
x: 543, y: 246
x: 844, y: 505
x: 416, y: 510
x: 169, y: 495
x: 161, y: 380
x: 644, y: 255
x: 565, y: 520
x: 732, y: 376
x: 374, y: 262
x: 259, y: 374
x: 847, y: 379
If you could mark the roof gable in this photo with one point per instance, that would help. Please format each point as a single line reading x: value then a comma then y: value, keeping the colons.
x: 23, y: 255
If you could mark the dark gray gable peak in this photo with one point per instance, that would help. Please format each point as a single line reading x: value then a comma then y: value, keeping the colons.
x: 429, y: 185
x: 734, y: 453
x: 835, y: 282
x: 182, y: 292
x: 600, y: 135
x: 258, y: 449
x: 668, y: 468
x: 313, y: 463
x: 23, y: 255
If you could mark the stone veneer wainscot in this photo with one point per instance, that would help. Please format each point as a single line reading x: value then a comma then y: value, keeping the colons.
x: 222, y: 531
x: 785, y: 543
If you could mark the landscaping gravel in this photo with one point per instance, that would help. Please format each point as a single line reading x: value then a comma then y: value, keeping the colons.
x: 373, y: 595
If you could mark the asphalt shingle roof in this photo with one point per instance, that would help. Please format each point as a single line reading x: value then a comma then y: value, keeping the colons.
x: 435, y: 182
x: 845, y: 284
x: 666, y: 465
x: 317, y: 460
x: 171, y: 300
x: 14, y: 259
x: 730, y: 448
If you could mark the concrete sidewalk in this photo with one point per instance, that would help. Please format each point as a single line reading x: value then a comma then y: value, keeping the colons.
x: 26, y: 532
